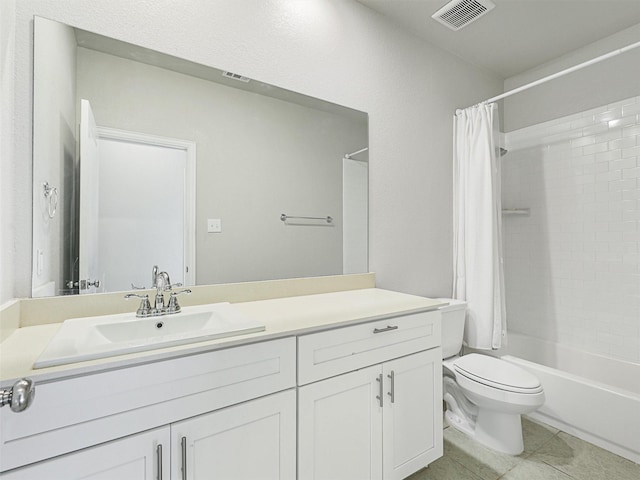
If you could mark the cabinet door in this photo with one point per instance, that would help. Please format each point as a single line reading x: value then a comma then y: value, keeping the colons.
x: 136, y: 457
x: 412, y: 424
x: 255, y: 440
x: 340, y: 427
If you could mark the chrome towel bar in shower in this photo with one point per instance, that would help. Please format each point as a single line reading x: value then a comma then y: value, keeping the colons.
x: 284, y: 217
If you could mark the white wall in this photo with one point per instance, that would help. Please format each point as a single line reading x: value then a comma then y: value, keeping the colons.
x: 336, y: 50
x: 257, y: 157
x: 7, y: 139
x: 603, y: 83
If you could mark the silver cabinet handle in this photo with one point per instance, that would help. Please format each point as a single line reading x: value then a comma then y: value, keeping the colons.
x: 159, y: 460
x: 385, y: 329
x: 183, y: 444
x: 18, y: 397
x: 392, y: 393
x: 380, y: 389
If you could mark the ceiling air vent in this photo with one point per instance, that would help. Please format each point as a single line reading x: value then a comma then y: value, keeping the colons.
x: 460, y: 13
x: 236, y: 76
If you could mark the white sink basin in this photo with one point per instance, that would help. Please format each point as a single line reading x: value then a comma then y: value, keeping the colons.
x: 90, y: 338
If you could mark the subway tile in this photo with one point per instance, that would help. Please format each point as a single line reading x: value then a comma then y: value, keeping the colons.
x: 631, y: 109
x: 581, y: 244
x: 582, y: 122
x: 623, y: 184
x: 608, y: 175
x: 560, y: 140
x: 616, y: 225
x: 631, y: 194
x: 630, y: 152
x: 608, y: 196
x: 557, y: 127
x: 630, y: 172
x: 583, y: 159
x: 577, y: 152
x: 583, y: 141
x: 595, y: 148
x: 623, y: 163
x: 615, y: 206
x: 609, y: 115
x: 620, y: 143
x: 631, y: 216
x: 631, y: 131
x: 623, y: 122
x: 596, y: 129
x: 594, y: 111
x: 608, y: 156
x: 613, y: 134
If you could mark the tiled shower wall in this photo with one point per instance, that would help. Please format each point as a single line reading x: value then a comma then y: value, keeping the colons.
x: 572, y: 265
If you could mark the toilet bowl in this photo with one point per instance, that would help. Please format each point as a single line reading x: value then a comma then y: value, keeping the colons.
x: 484, y: 395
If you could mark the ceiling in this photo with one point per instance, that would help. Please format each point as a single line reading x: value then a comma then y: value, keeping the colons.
x: 518, y: 34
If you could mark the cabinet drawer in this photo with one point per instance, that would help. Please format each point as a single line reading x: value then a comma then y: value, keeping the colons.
x: 79, y: 412
x: 329, y: 353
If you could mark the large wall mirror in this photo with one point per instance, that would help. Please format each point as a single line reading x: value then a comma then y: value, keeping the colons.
x: 143, y: 159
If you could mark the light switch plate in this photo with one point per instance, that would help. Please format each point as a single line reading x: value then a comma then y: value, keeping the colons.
x: 214, y: 225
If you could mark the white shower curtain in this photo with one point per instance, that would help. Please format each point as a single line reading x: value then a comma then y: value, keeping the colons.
x: 477, y: 225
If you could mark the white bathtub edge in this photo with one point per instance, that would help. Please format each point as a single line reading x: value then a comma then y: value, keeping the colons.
x: 571, y: 401
x: 586, y: 436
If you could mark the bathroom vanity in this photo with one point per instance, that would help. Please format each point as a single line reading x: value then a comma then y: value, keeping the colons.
x: 338, y: 385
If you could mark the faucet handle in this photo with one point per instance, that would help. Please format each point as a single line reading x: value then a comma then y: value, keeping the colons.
x: 144, y: 310
x: 173, y: 306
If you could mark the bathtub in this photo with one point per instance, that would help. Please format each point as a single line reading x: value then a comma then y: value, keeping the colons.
x: 589, y: 396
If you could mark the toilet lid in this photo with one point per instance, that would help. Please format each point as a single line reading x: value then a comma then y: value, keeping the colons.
x: 496, y: 373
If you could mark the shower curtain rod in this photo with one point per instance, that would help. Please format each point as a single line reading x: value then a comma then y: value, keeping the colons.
x: 349, y: 155
x: 562, y: 73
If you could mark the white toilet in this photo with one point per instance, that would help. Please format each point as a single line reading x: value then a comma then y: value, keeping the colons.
x: 485, y: 395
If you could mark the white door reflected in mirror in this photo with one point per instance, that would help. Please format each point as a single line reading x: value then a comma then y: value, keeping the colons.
x: 146, y: 194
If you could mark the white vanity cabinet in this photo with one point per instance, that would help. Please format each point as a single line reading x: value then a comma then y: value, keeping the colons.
x: 137, y: 457
x: 412, y: 413
x: 353, y: 395
x: 107, y: 409
x: 253, y: 440
x: 382, y: 421
x: 256, y: 439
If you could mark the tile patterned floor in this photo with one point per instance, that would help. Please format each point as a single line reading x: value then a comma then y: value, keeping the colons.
x: 549, y: 454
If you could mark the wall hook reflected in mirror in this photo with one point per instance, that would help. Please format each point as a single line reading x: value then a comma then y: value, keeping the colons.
x: 51, y: 194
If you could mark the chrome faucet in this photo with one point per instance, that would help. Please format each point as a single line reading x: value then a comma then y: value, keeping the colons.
x: 161, y: 283
x: 154, y: 274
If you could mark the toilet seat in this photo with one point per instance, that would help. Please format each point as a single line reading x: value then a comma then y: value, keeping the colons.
x: 496, y: 373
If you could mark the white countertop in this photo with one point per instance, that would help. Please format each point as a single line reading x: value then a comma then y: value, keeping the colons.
x: 282, y: 317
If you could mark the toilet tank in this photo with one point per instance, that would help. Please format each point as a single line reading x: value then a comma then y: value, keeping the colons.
x: 453, y: 318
